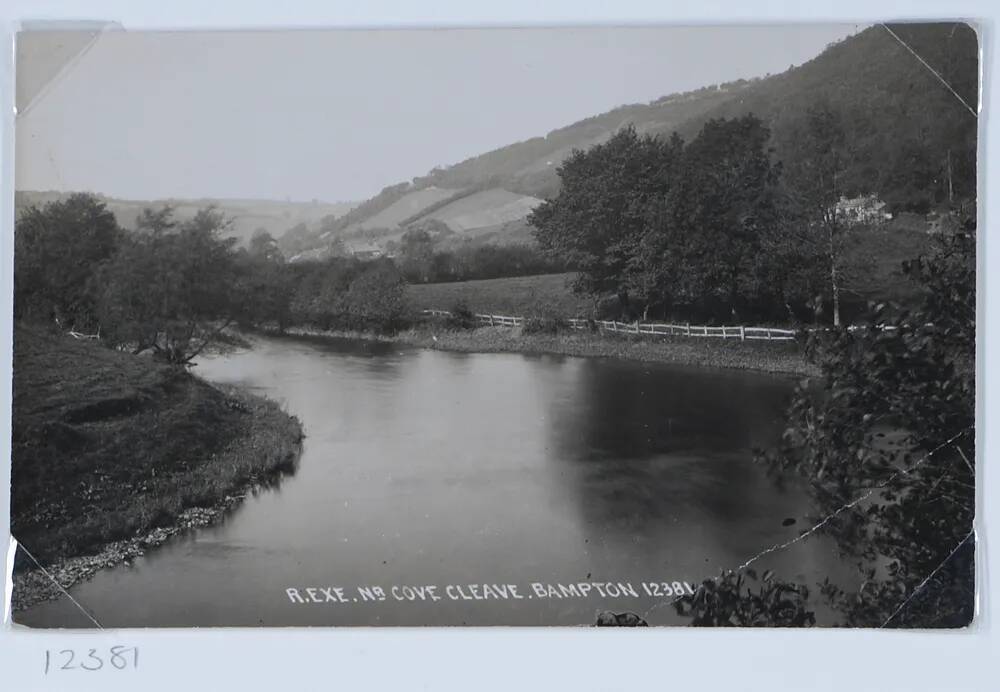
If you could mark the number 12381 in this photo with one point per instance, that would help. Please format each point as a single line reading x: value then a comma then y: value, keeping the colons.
x: 117, y: 657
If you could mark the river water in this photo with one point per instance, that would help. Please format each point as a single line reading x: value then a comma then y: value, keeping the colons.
x: 433, y: 469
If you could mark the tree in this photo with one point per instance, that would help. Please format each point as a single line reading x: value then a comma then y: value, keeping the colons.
x: 58, y: 250
x: 375, y: 297
x: 817, y: 180
x: 889, y: 451
x: 899, y: 418
x: 598, y: 218
x: 172, y: 291
x: 263, y: 289
x: 263, y: 246
x: 318, y: 288
x: 156, y: 221
x: 703, y: 246
x: 416, y: 249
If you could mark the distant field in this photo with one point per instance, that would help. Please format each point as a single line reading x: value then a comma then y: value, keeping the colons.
x: 880, y: 279
x: 519, y: 295
x: 486, y: 208
x: 403, y: 208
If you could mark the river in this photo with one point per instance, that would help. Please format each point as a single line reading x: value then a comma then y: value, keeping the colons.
x: 425, y: 468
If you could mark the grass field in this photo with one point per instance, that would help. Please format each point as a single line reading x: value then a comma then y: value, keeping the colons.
x: 879, y: 256
x: 519, y: 295
x: 107, y: 446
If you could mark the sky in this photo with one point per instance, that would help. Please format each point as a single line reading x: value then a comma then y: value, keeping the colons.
x: 338, y: 115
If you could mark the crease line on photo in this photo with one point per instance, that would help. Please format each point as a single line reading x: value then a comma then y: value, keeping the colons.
x: 825, y: 520
x: 16, y: 544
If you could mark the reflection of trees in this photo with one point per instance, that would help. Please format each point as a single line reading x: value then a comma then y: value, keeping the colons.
x: 645, y: 446
x: 624, y: 411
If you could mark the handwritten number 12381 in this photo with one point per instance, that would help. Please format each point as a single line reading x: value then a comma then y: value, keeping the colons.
x: 117, y: 657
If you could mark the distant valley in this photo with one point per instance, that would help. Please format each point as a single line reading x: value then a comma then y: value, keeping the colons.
x: 880, y: 86
x: 246, y: 216
x: 486, y: 199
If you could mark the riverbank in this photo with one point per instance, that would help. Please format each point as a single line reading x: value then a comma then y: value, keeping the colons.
x: 113, y: 454
x: 780, y: 358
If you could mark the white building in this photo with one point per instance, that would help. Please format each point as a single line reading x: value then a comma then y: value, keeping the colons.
x: 863, y: 209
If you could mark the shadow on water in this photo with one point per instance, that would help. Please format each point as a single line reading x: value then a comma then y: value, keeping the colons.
x: 646, y: 446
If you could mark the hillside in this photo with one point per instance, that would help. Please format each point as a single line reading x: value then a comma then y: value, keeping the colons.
x: 913, y: 142
x: 274, y: 216
x: 910, y: 137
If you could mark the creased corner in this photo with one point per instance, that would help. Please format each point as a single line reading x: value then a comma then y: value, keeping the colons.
x: 46, y: 52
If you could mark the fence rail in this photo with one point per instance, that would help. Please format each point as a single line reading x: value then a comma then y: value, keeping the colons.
x: 652, y: 328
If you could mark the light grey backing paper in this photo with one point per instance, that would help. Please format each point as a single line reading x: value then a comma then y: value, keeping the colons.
x: 502, y: 659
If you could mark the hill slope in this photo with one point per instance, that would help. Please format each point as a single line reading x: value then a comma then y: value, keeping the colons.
x: 904, y: 127
x: 913, y: 142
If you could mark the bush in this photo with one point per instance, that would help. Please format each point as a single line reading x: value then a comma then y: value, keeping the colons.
x: 461, y: 317
x: 729, y: 601
x: 544, y: 325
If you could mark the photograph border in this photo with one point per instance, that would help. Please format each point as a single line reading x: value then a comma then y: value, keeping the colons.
x: 500, y: 658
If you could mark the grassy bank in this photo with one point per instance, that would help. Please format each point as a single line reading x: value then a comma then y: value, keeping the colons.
x: 112, y: 453
x: 784, y: 358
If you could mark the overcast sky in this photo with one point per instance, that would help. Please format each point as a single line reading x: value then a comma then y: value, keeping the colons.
x: 339, y: 115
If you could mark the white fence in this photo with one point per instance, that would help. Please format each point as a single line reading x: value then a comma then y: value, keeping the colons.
x: 651, y: 328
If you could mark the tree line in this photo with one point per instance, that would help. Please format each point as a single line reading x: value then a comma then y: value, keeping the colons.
x: 172, y: 287
x: 715, y: 229
x: 718, y: 228
x: 422, y: 259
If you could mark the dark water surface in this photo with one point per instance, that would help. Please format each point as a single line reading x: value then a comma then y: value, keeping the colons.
x: 447, y: 469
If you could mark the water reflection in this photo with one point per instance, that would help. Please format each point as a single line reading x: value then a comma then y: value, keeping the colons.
x: 424, y: 467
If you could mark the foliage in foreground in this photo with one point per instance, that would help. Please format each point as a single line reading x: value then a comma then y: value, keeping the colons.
x: 730, y: 601
x: 888, y: 445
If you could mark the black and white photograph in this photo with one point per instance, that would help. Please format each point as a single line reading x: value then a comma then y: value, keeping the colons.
x: 627, y: 326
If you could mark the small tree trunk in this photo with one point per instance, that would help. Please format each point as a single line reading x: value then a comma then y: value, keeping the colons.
x: 836, y: 301
x: 834, y: 286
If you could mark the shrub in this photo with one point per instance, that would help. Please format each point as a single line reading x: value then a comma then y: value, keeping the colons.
x: 461, y: 317
x: 544, y: 325
x: 729, y: 601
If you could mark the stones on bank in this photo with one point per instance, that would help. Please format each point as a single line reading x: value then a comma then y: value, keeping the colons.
x: 35, y: 586
x: 269, y: 439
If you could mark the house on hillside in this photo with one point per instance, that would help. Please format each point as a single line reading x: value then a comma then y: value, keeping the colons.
x: 365, y: 250
x: 862, y: 209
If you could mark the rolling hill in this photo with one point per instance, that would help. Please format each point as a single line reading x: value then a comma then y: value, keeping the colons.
x: 913, y: 141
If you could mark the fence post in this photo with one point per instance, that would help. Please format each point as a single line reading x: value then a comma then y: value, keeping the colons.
x: 743, y: 334
x: 491, y: 320
x: 768, y: 333
x: 637, y: 326
x: 688, y: 329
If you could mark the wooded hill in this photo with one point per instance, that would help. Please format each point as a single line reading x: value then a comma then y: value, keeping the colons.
x: 912, y: 141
